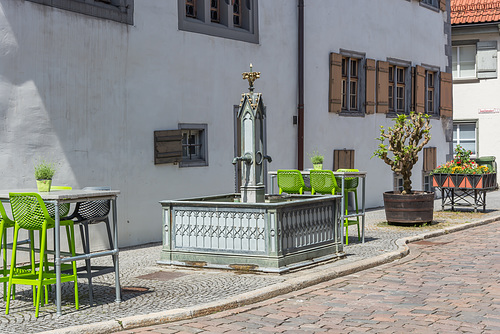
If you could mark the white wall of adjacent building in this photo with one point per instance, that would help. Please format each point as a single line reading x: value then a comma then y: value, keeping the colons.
x: 89, y: 93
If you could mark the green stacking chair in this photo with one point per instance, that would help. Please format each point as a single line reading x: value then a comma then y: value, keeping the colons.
x: 323, y: 182
x: 291, y: 182
x: 30, y: 213
x: 350, y: 185
x: 5, y: 223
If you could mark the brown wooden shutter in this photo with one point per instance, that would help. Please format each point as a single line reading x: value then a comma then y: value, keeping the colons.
x: 419, y: 89
x: 335, y: 91
x: 343, y: 159
x: 442, y: 5
x: 430, y: 154
x: 446, y: 92
x: 370, y: 86
x: 382, y: 87
x: 168, y: 146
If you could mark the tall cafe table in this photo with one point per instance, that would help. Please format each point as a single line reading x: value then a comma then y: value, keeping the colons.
x: 273, y: 175
x: 58, y: 197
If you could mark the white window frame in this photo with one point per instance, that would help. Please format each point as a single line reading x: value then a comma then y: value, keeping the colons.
x: 458, y: 62
x: 458, y: 141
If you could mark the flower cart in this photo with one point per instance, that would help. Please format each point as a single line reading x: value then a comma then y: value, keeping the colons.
x: 463, y: 182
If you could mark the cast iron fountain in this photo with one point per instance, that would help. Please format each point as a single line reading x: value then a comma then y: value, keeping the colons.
x: 250, y: 230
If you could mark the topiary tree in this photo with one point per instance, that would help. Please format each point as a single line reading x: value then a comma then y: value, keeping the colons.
x: 406, y: 138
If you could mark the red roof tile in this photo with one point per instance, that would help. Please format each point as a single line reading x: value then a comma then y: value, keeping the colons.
x: 474, y: 11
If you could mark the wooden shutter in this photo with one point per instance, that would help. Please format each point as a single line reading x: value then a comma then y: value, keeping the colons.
x: 419, y: 89
x: 442, y: 5
x: 382, y: 87
x: 446, y: 91
x: 430, y: 154
x: 335, y: 89
x: 343, y: 159
x: 168, y: 146
x: 370, y: 86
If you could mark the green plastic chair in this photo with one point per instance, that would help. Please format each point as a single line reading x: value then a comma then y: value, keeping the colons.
x: 323, y: 182
x: 350, y: 185
x: 30, y: 213
x: 291, y: 182
x: 5, y: 223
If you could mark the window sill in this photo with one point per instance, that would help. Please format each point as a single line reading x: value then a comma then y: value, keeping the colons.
x: 465, y: 80
x: 352, y: 113
x: 193, y: 163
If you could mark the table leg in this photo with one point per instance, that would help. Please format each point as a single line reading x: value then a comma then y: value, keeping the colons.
x: 342, y: 203
x: 115, y: 255
x: 57, y: 237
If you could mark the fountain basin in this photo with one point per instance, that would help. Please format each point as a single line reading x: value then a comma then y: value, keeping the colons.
x: 280, y: 234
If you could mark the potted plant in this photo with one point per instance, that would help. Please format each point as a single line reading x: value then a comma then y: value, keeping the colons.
x: 44, y: 172
x: 317, y: 160
x: 406, y: 139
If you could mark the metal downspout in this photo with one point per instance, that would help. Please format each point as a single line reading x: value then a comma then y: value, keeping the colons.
x: 300, y: 106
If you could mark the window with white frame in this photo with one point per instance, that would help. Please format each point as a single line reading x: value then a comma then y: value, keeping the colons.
x: 465, y: 135
x: 464, y: 61
x: 115, y: 10
x: 233, y: 19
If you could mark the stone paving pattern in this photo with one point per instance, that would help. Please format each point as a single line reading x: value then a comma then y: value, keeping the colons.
x: 149, y: 288
x: 427, y: 292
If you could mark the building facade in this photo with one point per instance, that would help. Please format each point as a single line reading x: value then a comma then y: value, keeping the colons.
x: 476, y: 104
x: 87, y: 84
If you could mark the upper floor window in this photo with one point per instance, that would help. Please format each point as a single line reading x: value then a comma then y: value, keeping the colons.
x: 464, y: 61
x: 116, y: 10
x: 350, y: 68
x: 397, y: 89
x: 432, y: 3
x: 233, y: 19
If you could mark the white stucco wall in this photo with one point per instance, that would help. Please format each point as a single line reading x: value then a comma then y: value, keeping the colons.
x: 469, y: 97
x: 89, y: 93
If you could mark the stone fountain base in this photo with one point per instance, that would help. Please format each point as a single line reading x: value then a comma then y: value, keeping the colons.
x: 280, y: 234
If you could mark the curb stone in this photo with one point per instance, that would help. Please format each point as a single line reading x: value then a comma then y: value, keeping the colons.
x: 293, y: 284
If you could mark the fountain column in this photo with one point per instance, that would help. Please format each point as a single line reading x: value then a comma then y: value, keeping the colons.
x: 251, y: 114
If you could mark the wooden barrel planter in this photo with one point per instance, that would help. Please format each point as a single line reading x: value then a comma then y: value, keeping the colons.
x: 415, y: 208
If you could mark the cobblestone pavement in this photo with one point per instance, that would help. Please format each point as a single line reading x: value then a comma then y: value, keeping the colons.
x: 426, y: 292
x: 150, y: 289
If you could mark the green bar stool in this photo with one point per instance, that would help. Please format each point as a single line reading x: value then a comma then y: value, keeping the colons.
x: 350, y: 185
x: 30, y: 213
x: 5, y: 223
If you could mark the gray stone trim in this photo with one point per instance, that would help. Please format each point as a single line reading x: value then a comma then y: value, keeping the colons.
x: 116, y: 10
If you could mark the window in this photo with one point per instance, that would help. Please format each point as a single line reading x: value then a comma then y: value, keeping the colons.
x: 187, y: 146
x: 464, y: 134
x: 194, y: 145
x: 427, y: 182
x: 397, y: 89
x: 398, y: 182
x: 116, y: 10
x: 464, y: 61
x: 350, y: 85
x: 233, y: 19
x: 432, y: 3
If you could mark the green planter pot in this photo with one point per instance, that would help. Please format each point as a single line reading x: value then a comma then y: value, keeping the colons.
x: 318, y: 166
x: 43, y: 185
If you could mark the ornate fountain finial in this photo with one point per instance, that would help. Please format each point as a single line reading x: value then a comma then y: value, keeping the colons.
x: 251, y: 77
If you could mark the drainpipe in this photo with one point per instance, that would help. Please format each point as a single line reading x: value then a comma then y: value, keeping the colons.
x: 300, y: 106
